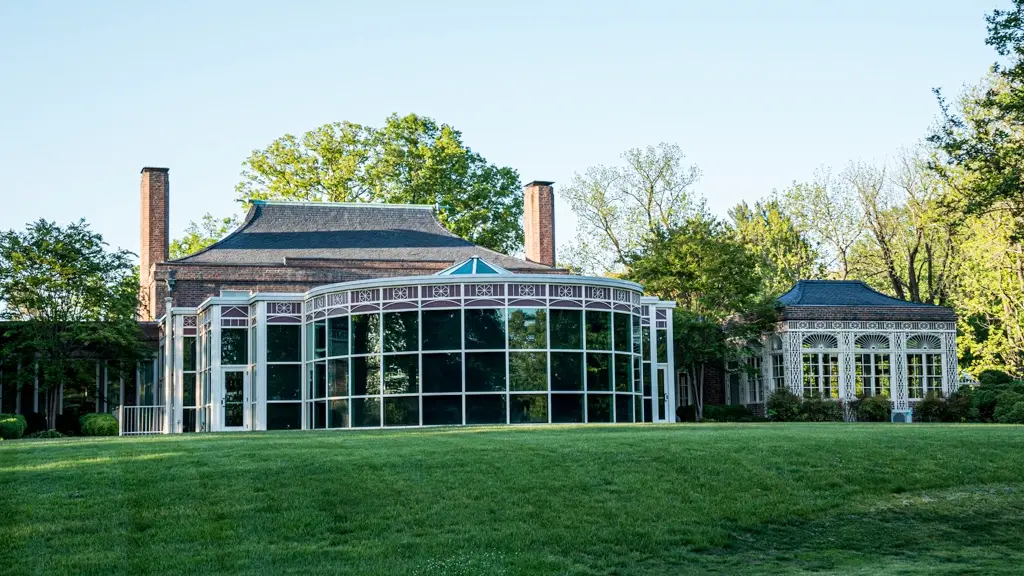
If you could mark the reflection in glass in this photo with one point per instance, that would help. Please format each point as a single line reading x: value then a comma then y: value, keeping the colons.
x: 624, y: 407
x: 319, y: 338
x: 442, y: 373
x: 284, y: 343
x: 567, y: 371
x: 485, y: 371
x: 365, y: 412
x: 320, y: 380
x: 566, y: 408
x: 286, y: 416
x: 337, y: 413
x: 337, y: 336
x: 442, y: 410
x: 485, y: 329
x: 599, y: 407
x: 527, y: 328
x: 599, y: 330
x: 401, y: 374
x: 234, y: 346
x: 598, y: 371
x: 623, y: 378
x: 442, y: 329
x: 234, y: 389
x: 623, y: 331
x: 402, y: 411
x: 528, y: 371
x: 365, y: 333
x: 188, y: 390
x: 662, y: 345
x: 365, y: 375
x: 284, y: 381
x: 648, y: 416
x: 337, y: 377
x: 566, y: 329
x: 401, y: 331
x: 528, y: 408
x: 485, y: 409
x: 317, y: 416
x: 188, y: 355
x: 647, y: 380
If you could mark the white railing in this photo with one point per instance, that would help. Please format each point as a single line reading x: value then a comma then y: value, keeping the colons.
x: 142, y: 420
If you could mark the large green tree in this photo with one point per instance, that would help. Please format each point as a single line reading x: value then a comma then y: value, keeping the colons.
x: 199, y: 235
x: 781, y: 253
x: 409, y: 160
x: 68, y: 302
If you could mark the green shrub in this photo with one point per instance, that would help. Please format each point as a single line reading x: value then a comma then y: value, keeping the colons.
x: 45, y: 434
x: 994, y: 378
x: 930, y: 409
x: 960, y: 406
x: 873, y: 408
x: 728, y: 413
x: 12, y: 426
x: 1010, y: 414
x: 783, y: 406
x: 98, y: 424
x: 817, y: 409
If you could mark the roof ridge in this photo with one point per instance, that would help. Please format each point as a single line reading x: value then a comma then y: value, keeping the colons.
x: 341, y: 204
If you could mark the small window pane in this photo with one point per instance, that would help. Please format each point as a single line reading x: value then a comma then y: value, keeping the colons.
x: 528, y: 408
x: 284, y: 343
x: 188, y: 356
x: 442, y: 410
x: 485, y: 372
x: 566, y: 371
x: 566, y: 408
x: 527, y: 328
x: 319, y: 340
x: 284, y: 382
x: 365, y: 333
x: 337, y: 336
x: 599, y: 330
x: 485, y: 409
x: 598, y: 371
x: 442, y: 329
x: 401, y: 331
x: 188, y: 390
x: 442, y: 373
x: 485, y: 329
x: 566, y: 329
x: 647, y: 380
x: 599, y: 407
x: 528, y: 371
x: 337, y: 413
x: 287, y: 416
x: 623, y: 332
x: 623, y: 378
x: 317, y: 416
x: 320, y: 380
x: 402, y: 411
x: 623, y: 408
x: 401, y: 374
x: 648, y: 415
x: 662, y: 346
x: 365, y: 376
x: 234, y: 346
x: 337, y: 377
x: 365, y: 412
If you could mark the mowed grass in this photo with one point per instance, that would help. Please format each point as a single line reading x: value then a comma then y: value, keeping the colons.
x: 863, y: 499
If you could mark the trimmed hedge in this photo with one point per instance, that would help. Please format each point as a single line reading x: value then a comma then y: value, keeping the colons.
x: 717, y: 413
x: 98, y: 424
x: 873, y: 408
x: 12, y: 426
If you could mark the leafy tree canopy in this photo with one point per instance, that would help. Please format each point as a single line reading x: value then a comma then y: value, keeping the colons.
x: 201, y: 234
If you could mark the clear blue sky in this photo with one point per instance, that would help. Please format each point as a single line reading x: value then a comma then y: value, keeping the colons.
x: 758, y: 94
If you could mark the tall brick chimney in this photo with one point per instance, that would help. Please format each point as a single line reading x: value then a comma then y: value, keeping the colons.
x: 539, y: 222
x: 155, y: 191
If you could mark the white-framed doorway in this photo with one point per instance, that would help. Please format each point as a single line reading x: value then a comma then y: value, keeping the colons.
x: 664, y: 395
x: 234, y: 414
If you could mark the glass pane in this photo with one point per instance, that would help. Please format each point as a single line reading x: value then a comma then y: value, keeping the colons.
x: 623, y: 332
x: 402, y: 411
x: 442, y: 373
x: 337, y: 377
x: 485, y: 329
x: 365, y: 376
x: 284, y: 416
x: 637, y: 339
x: 599, y: 371
x: 442, y: 410
x: 623, y: 379
x: 401, y: 374
x: 319, y: 338
x: 284, y: 382
x: 566, y: 329
x: 442, y: 329
x: 284, y: 343
x: 647, y: 380
x: 566, y: 371
x: 365, y: 412
x: 485, y: 371
x: 188, y: 355
x: 623, y: 408
x: 485, y: 409
x: 527, y: 328
x: 320, y: 380
x: 234, y: 384
x: 599, y: 407
x: 188, y: 390
x: 648, y: 416
x: 365, y: 333
x: 599, y: 330
x: 337, y: 336
x: 662, y: 346
x: 528, y: 408
x: 317, y: 418
x: 337, y: 413
x: 528, y: 371
x: 401, y: 331
x: 483, y: 268
x: 566, y: 408
x: 466, y: 268
x: 234, y: 346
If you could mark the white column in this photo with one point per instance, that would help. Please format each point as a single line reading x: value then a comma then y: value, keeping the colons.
x: 792, y: 347
x: 950, y: 370
x: 900, y: 385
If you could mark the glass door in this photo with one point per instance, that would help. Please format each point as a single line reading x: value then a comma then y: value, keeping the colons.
x: 666, y: 412
x: 234, y: 400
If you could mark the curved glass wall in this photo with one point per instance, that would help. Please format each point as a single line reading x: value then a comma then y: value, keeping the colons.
x: 473, y: 353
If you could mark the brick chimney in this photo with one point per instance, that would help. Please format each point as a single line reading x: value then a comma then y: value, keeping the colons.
x: 539, y: 222
x: 155, y: 191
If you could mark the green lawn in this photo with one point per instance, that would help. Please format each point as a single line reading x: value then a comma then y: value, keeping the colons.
x: 746, y: 498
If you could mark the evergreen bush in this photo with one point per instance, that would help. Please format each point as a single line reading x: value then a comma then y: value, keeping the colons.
x: 99, y: 424
x: 876, y: 408
x: 783, y: 406
x: 12, y: 426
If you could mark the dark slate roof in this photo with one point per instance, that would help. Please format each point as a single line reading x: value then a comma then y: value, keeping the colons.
x: 832, y: 299
x: 274, y: 231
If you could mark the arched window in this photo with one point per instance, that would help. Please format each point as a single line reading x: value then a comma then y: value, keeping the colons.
x: 821, y: 366
x: 873, y: 365
x: 924, y: 365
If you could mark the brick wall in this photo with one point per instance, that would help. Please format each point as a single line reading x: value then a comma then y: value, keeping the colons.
x: 539, y: 222
x: 154, y: 188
